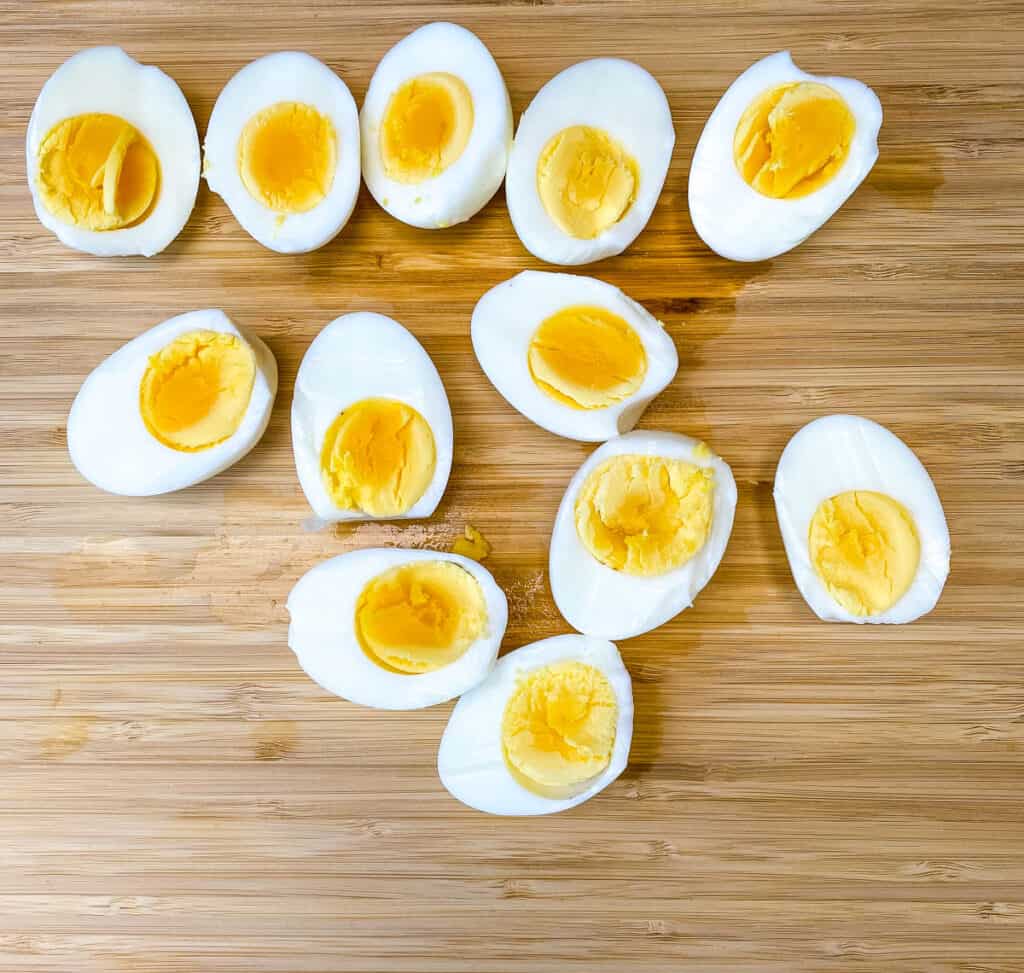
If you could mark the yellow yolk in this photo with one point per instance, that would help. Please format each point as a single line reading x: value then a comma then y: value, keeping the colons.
x: 645, y: 515
x: 558, y: 729
x: 286, y: 157
x: 472, y: 544
x: 586, y: 181
x: 426, y: 126
x: 793, y: 139
x: 420, y: 616
x: 864, y: 547
x: 587, y: 357
x: 97, y: 172
x: 196, y: 390
x: 378, y: 456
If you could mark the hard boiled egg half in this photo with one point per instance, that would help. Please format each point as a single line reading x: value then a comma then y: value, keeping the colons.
x: 641, y: 529
x: 589, y: 160
x: 397, y: 629
x: 547, y: 730
x: 863, y: 527
x: 112, y: 155
x: 572, y: 354
x: 282, y: 149
x: 781, y: 152
x: 437, y: 126
x: 173, y: 407
x: 371, y: 425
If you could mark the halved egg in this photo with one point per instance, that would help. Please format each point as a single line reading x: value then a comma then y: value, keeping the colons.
x: 112, y: 155
x: 641, y: 529
x: 863, y: 527
x: 548, y: 729
x: 572, y: 354
x: 371, y: 425
x: 282, y: 149
x: 397, y: 629
x: 173, y: 407
x: 437, y: 127
x: 588, y: 162
x: 781, y: 152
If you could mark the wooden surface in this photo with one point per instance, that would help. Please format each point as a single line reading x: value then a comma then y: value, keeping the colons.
x: 177, y: 796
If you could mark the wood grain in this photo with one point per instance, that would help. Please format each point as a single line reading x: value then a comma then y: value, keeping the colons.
x: 177, y: 796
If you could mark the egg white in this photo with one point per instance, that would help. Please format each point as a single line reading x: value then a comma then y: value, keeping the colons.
x: 622, y: 99
x: 600, y: 601
x: 106, y: 80
x: 470, y: 760
x: 468, y: 184
x: 284, y: 76
x: 108, y: 439
x: 838, y: 453
x: 504, y: 321
x: 359, y: 356
x: 322, y: 608
x: 733, y: 218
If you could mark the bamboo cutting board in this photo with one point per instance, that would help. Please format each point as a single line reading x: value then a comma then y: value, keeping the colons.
x: 178, y: 796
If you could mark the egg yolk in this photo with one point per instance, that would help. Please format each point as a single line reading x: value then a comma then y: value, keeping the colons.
x: 196, y: 390
x: 98, y: 172
x: 865, y: 549
x: 426, y: 126
x: 378, y: 456
x: 558, y: 729
x: 420, y: 616
x: 287, y: 154
x: 586, y: 181
x: 793, y: 139
x: 587, y: 357
x: 472, y: 544
x: 645, y: 515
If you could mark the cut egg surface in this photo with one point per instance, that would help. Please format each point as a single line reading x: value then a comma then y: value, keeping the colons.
x: 173, y: 407
x: 436, y: 126
x: 589, y: 161
x: 573, y: 354
x: 862, y: 524
x: 371, y: 425
x: 549, y: 728
x: 781, y: 152
x: 112, y: 155
x: 397, y: 629
x: 641, y: 529
x: 282, y: 150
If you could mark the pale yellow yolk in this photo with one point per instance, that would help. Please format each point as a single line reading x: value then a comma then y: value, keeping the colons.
x: 196, y: 390
x: 865, y: 549
x: 378, y: 456
x: 586, y: 181
x: 287, y: 154
x: 793, y: 139
x: 97, y: 172
x: 587, y: 357
x: 426, y: 126
x: 558, y: 730
x: 420, y: 616
x: 645, y: 515
x: 472, y: 544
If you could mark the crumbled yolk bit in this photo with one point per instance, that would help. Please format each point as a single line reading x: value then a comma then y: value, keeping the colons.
x: 196, y: 390
x: 587, y: 357
x: 98, y: 172
x: 702, y: 451
x: 287, y: 154
x: 378, y: 456
x: 426, y: 127
x: 645, y: 515
x: 586, y: 181
x: 472, y: 544
x: 420, y: 616
x: 864, y: 547
x: 793, y: 139
x: 558, y: 729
